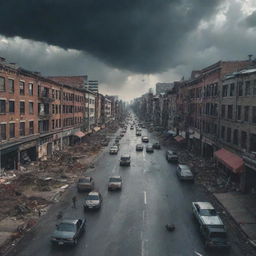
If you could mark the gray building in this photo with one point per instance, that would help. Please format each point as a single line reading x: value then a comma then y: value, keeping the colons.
x: 163, y: 87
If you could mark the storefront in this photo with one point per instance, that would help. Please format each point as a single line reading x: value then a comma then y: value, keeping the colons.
x: 45, y: 147
x: 28, y: 152
x: 9, y: 158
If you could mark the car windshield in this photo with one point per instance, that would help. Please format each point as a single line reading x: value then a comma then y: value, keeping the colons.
x: 208, y: 212
x: 125, y: 158
x: 84, y: 180
x: 93, y: 197
x: 66, y: 227
x: 114, y: 180
x: 218, y: 235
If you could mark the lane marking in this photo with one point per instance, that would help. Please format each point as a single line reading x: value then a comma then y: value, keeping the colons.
x: 142, y: 248
x: 145, y: 197
x: 143, y: 216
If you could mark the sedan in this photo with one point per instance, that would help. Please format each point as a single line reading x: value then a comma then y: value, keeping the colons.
x: 149, y: 148
x: 93, y: 201
x: 85, y: 184
x: 171, y: 156
x: 184, y: 173
x: 113, y: 150
x: 139, y: 147
x: 115, y: 183
x: 144, y: 139
x: 68, y: 232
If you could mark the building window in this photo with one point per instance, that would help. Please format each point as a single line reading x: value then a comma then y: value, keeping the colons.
x: 235, y: 137
x: 223, y: 110
x: 22, y: 128
x: 240, y: 88
x: 12, y: 130
x: 232, y: 90
x: 53, y: 93
x: 247, y: 88
x: 239, y: 112
x: 31, y: 127
x: 22, y: 107
x: 53, y: 122
x: 253, y: 142
x: 223, y: 132
x: 228, y: 134
x: 22, y: 88
x: 30, y: 89
x: 53, y: 108
x: 2, y: 84
x: 11, y: 106
x: 2, y: 131
x: 2, y: 107
x: 254, y: 114
x: 230, y: 111
x: 254, y: 87
x: 246, y: 113
x: 31, y: 107
x: 225, y: 90
x: 243, y: 139
x: 11, y: 86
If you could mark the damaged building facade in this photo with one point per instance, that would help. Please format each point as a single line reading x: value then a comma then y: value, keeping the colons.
x: 40, y: 115
x: 213, y: 113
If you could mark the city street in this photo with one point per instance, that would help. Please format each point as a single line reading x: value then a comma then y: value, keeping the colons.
x: 130, y: 222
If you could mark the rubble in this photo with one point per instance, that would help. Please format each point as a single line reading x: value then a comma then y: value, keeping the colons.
x: 28, y: 193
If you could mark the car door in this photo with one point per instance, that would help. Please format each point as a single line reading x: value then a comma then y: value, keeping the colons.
x: 78, y: 227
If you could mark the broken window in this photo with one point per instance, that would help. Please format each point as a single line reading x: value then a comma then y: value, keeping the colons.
x: 240, y: 88
x: 232, y: 89
x: 22, y: 88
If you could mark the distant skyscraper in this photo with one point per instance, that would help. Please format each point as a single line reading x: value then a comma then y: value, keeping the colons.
x: 93, y: 85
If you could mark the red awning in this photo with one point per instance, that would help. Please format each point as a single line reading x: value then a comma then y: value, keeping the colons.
x: 79, y: 134
x: 179, y: 138
x: 230, y: 160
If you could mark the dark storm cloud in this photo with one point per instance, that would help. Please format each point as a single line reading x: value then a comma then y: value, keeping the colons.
x: 251, y: 20
x: 136, y: 35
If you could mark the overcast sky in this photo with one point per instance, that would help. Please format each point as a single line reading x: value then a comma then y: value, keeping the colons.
x: 128, y: 45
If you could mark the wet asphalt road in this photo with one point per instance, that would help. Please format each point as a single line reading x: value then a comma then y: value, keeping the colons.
x: 130, y: 222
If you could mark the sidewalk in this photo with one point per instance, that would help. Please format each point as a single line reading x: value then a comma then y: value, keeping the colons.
x: 242, y: 208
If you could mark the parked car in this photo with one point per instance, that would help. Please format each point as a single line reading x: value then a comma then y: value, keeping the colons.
x: 115, y: 183
x: 211, y: 226
x: 215, y: 237
x: 205, y: 214
x: 139, y: 147
x: 144, y: 139
x: 125, y: 160
x: 131, y: 128
x: 156, y: 145
x: 113, y: 150
x: 149, y: 148
x: 104, y: 143
x: 171, y: 156
x: 68, y: 232
x: 93, y: 201
x: 138, y: 133
x: 85, y: 184
x: 184, y: 172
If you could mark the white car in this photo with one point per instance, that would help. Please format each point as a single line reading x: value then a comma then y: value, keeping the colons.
x: 115, y: 183
x: 93, y: 201
x: 184, y: 173
x: 113, y: 150
x: 205, y: 214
